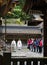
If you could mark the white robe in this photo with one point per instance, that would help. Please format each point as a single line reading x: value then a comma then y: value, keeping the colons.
x: 13, y: 45
x: 19, y: 44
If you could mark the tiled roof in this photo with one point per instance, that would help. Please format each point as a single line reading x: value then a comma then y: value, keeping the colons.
x: 21, y: 29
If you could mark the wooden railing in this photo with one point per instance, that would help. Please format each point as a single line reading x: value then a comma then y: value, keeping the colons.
x: 8, y: 60
x: 29, y: 61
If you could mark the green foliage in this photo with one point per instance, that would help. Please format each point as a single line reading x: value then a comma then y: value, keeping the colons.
x: 15, y: 13
x: 18, y: 13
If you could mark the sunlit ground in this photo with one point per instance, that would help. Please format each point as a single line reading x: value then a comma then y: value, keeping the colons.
x: 24, y: 52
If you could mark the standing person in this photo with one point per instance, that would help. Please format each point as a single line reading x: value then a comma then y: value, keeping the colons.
x: 37, y: 45
x: 31, y: 44
x: 40, y: 46
x: 34, y: 45
x: 13, y: 45
x: 28, y: 43
x: 19, y: 44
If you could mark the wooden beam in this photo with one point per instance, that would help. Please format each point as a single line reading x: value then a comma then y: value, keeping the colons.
x: 45, y: 33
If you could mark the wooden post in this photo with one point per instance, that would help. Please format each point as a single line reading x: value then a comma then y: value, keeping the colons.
x: 45, y: 33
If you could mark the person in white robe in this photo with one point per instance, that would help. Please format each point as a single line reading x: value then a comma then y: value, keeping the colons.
x: 19, y: 44
x: 13, y: 45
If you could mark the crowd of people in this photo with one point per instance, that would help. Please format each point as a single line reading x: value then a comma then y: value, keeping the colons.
x: 35, y: 45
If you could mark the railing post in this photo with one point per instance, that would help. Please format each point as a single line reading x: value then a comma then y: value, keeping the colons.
x: 18, y: 62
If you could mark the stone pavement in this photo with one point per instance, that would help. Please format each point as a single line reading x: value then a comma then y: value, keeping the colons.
x: 24, y: 52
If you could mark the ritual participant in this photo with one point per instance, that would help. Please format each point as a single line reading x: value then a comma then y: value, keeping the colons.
x: 19, y: 44
x: 13, y: 45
